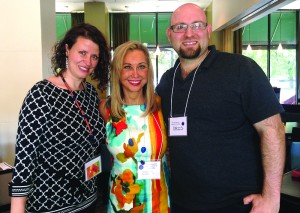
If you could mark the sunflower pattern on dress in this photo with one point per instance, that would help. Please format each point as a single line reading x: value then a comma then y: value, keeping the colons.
x: 132, y: 139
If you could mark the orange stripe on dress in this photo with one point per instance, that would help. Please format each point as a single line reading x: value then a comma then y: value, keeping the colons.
x: 155, y: 135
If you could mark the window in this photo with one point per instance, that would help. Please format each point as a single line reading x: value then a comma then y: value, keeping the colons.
x: 283, y: 63
x: 63, y: 24
x: 265, y: 36
x: 143, y: 28
x: 150, y: 29
x: 257, y: 41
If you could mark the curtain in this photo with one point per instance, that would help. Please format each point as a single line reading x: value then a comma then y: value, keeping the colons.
x: 232, y: 40
x: 77, y: 18
x: 238, y: 41
x: 228, y: 40
x: 120, y: 28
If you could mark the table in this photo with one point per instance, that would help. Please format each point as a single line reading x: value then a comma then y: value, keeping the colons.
x: 290, y: 187
x: 290, y: 194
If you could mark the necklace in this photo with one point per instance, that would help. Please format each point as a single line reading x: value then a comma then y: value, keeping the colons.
x: 69, y: 87
x: 91, y: 136
x: 143, y: 148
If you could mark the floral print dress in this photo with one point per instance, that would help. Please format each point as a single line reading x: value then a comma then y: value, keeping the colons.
x: 132, y: 139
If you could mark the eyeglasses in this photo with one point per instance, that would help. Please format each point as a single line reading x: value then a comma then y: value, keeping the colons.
x: 181, y: 28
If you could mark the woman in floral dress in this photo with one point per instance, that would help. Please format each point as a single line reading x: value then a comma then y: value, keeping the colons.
x: 136, y: 135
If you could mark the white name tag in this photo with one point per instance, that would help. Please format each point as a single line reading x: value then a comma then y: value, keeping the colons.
x: 149, y: 170
x: 178, y: 126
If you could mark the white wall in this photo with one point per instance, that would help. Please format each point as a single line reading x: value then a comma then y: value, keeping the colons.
x: 23, y: 55
x: 48, y: 36
x: 228, y: 12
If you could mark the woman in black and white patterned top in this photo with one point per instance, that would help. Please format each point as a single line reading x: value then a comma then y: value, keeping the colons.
x: 60, y: 129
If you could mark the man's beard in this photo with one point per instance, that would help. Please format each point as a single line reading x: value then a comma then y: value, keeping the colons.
x: 189, y: 54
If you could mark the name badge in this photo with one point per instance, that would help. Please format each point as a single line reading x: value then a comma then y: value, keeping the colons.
x: 178, y: 126
x: 149, y: 170
x: 92, y: 168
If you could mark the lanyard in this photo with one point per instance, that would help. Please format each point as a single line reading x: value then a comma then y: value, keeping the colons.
x: 187, y: 99
x: 91, y: 137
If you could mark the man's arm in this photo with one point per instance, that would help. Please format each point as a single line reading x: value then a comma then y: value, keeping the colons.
x: 272, y: 139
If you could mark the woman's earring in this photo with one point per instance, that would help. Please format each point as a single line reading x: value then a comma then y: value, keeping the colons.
x: 67, y: 63
x: 57, y: 71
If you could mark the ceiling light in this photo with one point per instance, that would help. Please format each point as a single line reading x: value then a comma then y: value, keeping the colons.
x: 280, y: 49
x: 157, y: 51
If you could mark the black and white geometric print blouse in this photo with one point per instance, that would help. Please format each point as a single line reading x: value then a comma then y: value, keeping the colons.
x: 53, y: 145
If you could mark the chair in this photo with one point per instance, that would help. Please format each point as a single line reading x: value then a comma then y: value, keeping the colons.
x: 5, y: 178
x: 295, y: 155
x: 295, y: 134
x: 293, y: 150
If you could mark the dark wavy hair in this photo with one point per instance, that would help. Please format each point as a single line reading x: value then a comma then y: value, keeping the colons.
x: 88, y: 31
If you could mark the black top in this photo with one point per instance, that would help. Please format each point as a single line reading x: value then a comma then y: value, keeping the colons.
x: 219, y: 161
x: 52, y: 147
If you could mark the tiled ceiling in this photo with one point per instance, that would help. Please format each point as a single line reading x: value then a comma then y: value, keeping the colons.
x: 129, y: 5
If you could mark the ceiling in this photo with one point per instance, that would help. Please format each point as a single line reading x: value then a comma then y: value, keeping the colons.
x: 129, y: 5
x: 140, y: 5
x: 293, y: 6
